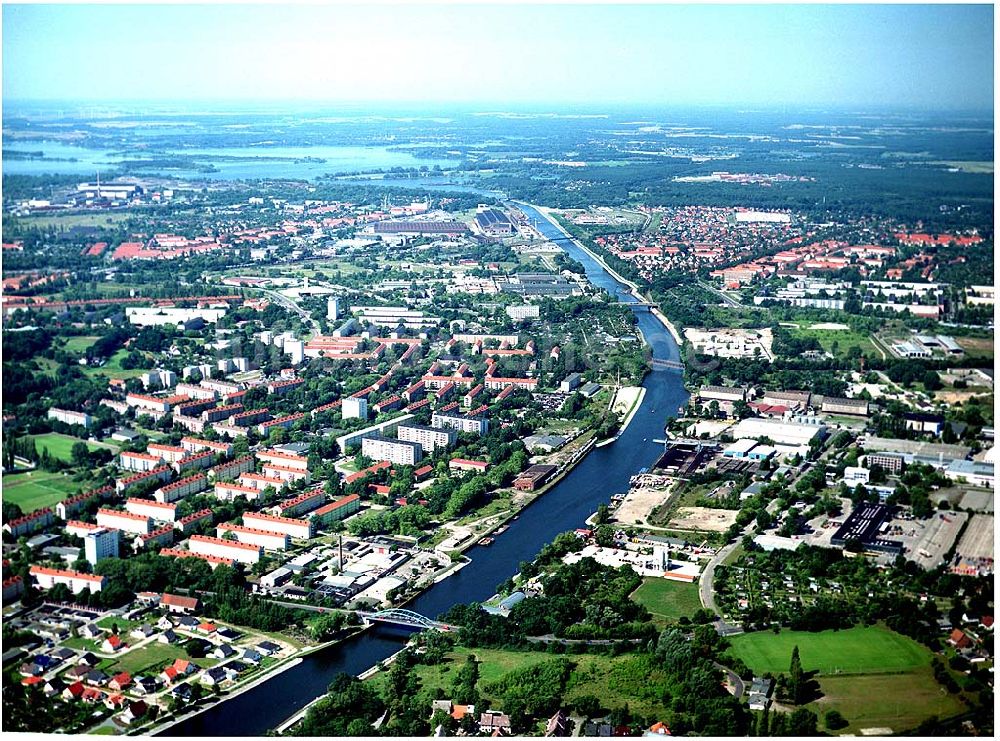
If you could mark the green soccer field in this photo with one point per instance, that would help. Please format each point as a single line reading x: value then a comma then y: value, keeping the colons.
x: 61, y: 446
x: 36, y: 489
x: 864, y: 650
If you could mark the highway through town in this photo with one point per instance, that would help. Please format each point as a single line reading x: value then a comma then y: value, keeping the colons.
x: 566, y: 506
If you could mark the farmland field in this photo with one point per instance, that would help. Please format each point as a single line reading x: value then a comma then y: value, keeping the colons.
x: 667, y: 600
x: 59, y: 446
x: 867, y: 650
x: 36, y: 489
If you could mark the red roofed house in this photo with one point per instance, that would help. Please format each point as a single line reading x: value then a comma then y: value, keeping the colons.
x: 178, y: 604
x: 958, y: 639
x: 120, y: 681
x: 112, y: 643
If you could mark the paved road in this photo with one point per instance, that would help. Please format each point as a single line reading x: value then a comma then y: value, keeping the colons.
x: 549, y: 638
x: 734, y: 680
x: 726, y: 299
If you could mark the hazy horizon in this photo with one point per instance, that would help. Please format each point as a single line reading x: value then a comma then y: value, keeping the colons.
x: 857, y: 57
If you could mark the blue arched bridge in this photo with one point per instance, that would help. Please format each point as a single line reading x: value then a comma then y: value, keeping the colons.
x: 407, y: 619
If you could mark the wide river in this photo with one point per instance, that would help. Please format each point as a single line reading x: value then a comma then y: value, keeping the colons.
x: 603, y: 472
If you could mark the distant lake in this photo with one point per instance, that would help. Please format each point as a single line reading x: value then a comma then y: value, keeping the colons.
x: 258, y: 161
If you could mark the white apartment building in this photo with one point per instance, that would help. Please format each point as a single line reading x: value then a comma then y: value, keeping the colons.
x: 69, y: 417
x: 229, y: 491
x: 147, y: 403
x: 99, y: 544
x: 288, y: 460
x: 259, y: 482
x: 354, y: 408
x: 428, y: 438
x: 130, y: 523
x: 285, y: 473
x: 522, y: 312
x: 158, y: 511
x: 400, y: 452
x: 196, y: 391
x: 301, y: 529
x: 138, y: 462
x: 46, y: 578
x: 241, y: 552
x: 475, y: 425
x: 180, y: 489
x: 168, y: 453
x: 269, y: 540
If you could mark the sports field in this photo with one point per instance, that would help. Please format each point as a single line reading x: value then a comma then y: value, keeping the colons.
x: 896, y: 701
x: 36, y: 489
x: 61, y: 446
x: 667, y: 600
x: 863, y: 650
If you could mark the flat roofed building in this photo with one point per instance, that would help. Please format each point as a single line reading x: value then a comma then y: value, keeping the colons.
x: 382, y: 428
x: 785, y: 433
x: 866, y: 525
x: 723, y: 393
x: 889, y: 462
x: 461, y: 423
x: 430, y: 439
x: 534, y: 477
x: 420, y: 227
x: 400, y: 452
x: 842, y: 405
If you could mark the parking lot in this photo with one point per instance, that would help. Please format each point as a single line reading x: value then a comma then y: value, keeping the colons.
x: 927, y: 541
x: 977, y: 541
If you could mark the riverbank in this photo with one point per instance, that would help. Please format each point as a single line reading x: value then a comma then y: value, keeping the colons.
x: 238, y: 690
x: 628, y: 399
x: 636, y: 293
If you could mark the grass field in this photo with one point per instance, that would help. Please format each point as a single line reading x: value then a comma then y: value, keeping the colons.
x: 896, y: 701
x: 978, y: 347
x: 113, y: 368
x: 70, y: 220
x: 79, y: 345
x: 667, y: 600
x: 863, y: 650
x: 149, y: 657
x: 845, y: 339
x: 36, y: 489
x: 59, y: 446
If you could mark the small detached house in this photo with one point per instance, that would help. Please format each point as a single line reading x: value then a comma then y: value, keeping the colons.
x: 112, y: 644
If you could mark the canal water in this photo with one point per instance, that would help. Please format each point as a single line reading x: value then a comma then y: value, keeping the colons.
x: 566, y: 506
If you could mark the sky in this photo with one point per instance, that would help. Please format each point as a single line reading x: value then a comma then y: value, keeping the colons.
x: 925, y: 56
